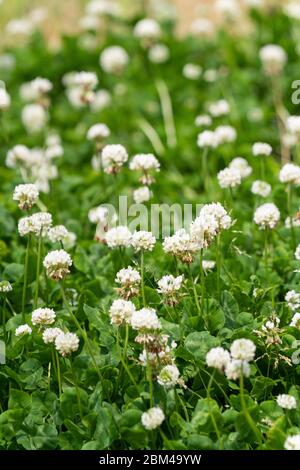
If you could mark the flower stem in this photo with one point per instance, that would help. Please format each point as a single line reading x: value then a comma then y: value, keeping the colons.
x: 143, y: 279
x: 25, y: 277
x: 290, y: 212
x: 248, y: 418
x: 77, y: 391
x: 38, y: 263
x: 167, y: 112
x: 210, y: 411
x: 219, y: 265
x: 56, y: 360
x: 202, y: 279
x: 150, y: 380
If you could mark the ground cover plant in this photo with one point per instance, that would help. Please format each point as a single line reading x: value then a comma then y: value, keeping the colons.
x: 115, y: 333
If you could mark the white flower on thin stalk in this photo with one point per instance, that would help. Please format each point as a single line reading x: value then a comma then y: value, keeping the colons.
x: 218, y: 358
x: 66, y: 343
x: 267, y: 216
x: 121, y: 311
x: 145, y: 319
x: 118, y: 237
x: 219, y: 108
x: 225, y: 134
x: 219, y: 213
x: 148, y: 31
x: 158, y: 54
x: 261, y: 188
x: 141, y: 195
x: 36, y: 90
x: 50, y: 334
x: 203, y: 120
x: 192, y: 71
x: 243, y: 349
x: 292, y: 442
x: 292, y: 299
x: 261, y: 149
x: 129, y: 280
x: 208, y: 265
x: 146, y: 163
x: 273, y: 58
x: 169, y: 376
x: 26, y: 194
x: 57, y: 264
x: 296, y: 321
x: 235, y: 368
x: 98, y: 132
x: 229, y: 178
x: 287, y: 402
x: 293, y: 125
x: 34, y: 117
x: 18, y: 155
x: 102, y: 99
x: 23, y: 330
x: 5, y: 286
x: 100, y: 216
x: 203, y: 230
x: 43, y: 317
x: 113, y: 158
x: 181, y: 245
x: 203, y: 28
x: 290, y: 174
x: 153, y: 418
x: 114, y: 59
x: 5, y: 100
x: 207, y: 139
x: 142, y: 241
x: 240, y: 164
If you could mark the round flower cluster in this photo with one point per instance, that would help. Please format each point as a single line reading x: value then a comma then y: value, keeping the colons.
x: 23, y: 330
x: 290, y: 173
x: 203, y: 120
x: 219, y: 108
x: 98, y: 132
x: 208, y: 265
x: 147, y: 30
x: 243, y: 349
x: 225, y: 134
x: 34, y: 117
x: 288, y: 402
x: 207, y: 139
x: 36, y: 90
x: 50, y: 334
x: 261, y: 188
x: 229, y: 178
x: 66, y: 343
x: 242, y: 166
x: 80, y: 87
x: 57, y: 264
x: 129, y: 279
x: 113, y: 158
x: 118, y: 236
x: 121, y: 311
x: 211, y: 220
x: 145, y: 162
x: 169, y: 285
x: 218, y: 358
x: 293, y: 125
x: 145, y: 319
x: 192, y: 71
x: 59, y: 233
x: 141, y: 195
x: 292, y: 442
x: 37, y: 224
x: 114, y: 59
x: 261, y: 149
x: 18, y: 155
x: 5, y: 286
x: 292, y: 299
x: 43, y: 316
x: 169, y: 376
x: 296, y: 321
x: 267, y: 216
x: 152, y: 418
x: 4, y: 99
x: 158, y: 53
x: 142, y: 241
x: 273, y: 58
x: 181, y: 245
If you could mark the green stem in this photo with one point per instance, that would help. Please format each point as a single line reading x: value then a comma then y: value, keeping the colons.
x: 248, y: 418
x: 25, y: 277
x: 205, y: 168
x: 167, y: 112
x: 4, y: 318
x: 219, y: 266
x: 210, y: 412
x: 290, y: 213
x: 83, y: 333
x: 58, y: 372
x: 143, y: 279
x: 202, y: 279
x: 262, y: 168
x: 187, y: 418
x: 77, y: 391
x: 38, y: 264
x: 150, y: 380
x: 124, y: 364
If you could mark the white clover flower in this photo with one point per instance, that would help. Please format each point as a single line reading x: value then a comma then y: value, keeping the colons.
x: 121, y: 311
x: 19, y: 154
x: 86, y: 80
x: 50, y: 334
x: 19, y: 27
x: 192, y: 71
x: 118, y: 236
x: 297, y: 253
x: 293, y: 299
x: 229, y: 178
x: 141, y: 195
x: 296, y: 321
x: 113, y: 158
x: 36, y: 89
x: 210, y: 75
x: 89, y: 23
x: 142, y: 241
x: 203, y: 120
x: 144, y: 162
x: 203, y: 230
x: 5, y: 286
x: 235, y: 368
x: 159, y: 53
x: 128, y: 276
x: 168, y: 285
x: 207, y: 139
x: 102, y: 99
x: 273, y: 58
x: 240, y: 164
x: 147, y: 30
x: 26, y: 195
x: 98, y: 132
x: 43, y: 316
x: 37, y: 224
x: 293, y: 125
x: 261, y: 188
x: 57, y: 264
x: 169, y: 376
x: 225, y: 134
x: 66, y: 343
x: 267, y: 216
x: 58, y: 233
x: 23, y: 330
x: 114, y: 59
x: 261, y: 149
x: 219, y: 108
x: 98, y: 215
x: 287, y: 402
x: 292, y: 9
x: 243, y: 349
x: 292, y: 442
x: 145, y: 319
x: 290, y: 173
x: 101, y: 8
x: 208, y: 265
x: 219, y: 213
x: 34, y: 117
x: 152, y: 418
x: 228, y: 8
x: 5, y: 100
x: 202, y: 28
x: 218, y: 358
x: 181, y: 245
